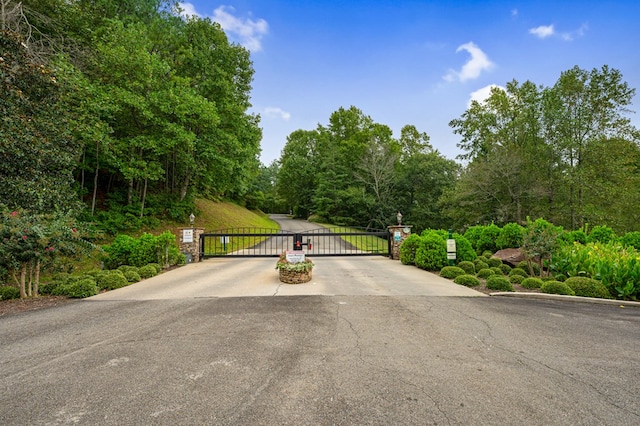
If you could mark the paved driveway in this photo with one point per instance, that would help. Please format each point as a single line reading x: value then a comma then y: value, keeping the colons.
x: 367, y: 342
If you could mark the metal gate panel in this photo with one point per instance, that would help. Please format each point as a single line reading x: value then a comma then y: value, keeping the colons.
x: 264, y: 242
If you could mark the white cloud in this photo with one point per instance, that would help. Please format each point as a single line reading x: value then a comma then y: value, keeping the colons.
x: 482, y: 94
x: 478, y: 62
x: 275, y: 112
x: 248, y: 31
x: 543, y: 31
x: 188, y: 9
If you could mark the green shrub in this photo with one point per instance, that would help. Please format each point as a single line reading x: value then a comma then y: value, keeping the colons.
x: 524, y: 265
x: 451, y: 272
x: 588, y: 287
x: 485, y: 273
x: 432, y: 252
x: 487, y: 254
x: 556, y: 287
x: 147, y: 271
x: 497, y: 271
x: 601, y: 234
x: 494, y: 262
x: 480, y: 264
x: 408, y: 249
x: 518, y: 271
x: 8, y: 292
x: 631, y: 239
x: 510, y: 236
x: 61, y: 277
x: 464, y: 249
x: 127, y: 268
x: 505, y: 269
x: 516, y: 279
x: 48, y: 288
x: 126, y: 250
x: 157, y: 266
x: 112, y: 281
x: 468, y: 267
x: 531, y: 282
x: 499, y: 283
x: 467, y: 280
x: 132, y: 276
x: 483, y: 238
x: 570, y: 237
x: 85, y: 287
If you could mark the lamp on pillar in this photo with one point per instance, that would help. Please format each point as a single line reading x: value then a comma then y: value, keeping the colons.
x: 192, y: 219
x: 399, y: 217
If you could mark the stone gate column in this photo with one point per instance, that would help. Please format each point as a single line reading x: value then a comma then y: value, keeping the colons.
x: 190, y: 243
x: 397, y: 234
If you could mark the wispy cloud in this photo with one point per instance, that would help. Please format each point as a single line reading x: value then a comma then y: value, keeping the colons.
x: 543, y: 31
x: 248, y: 31
x: 275, y: 112
x: 471, y: 70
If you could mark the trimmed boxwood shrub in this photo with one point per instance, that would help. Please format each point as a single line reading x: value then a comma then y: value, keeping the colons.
x: 518, y: 271
x: 505, y: 268
x: 157, y: 266
x: 8, y: 292
x: 516, y: 279
x: 494, y: 262
x: 556, y: 287
x: 432, y: 252
x: 485, y: 273
x: 451, y: 272
x: 112, y: 281
x: 601, y: 234
x: 499, y: 283
x: 85, y: 287
x: 531, y: 282
x: 467, y: 280
x: 147, y: 271
x: 127, y: 268
x: 588, y: 287
x: 468, y: 267
x: 408, y: 249
x: 497, y: 271
x: 480, y: 264
x: 132, y: 276
x: 48, y: 288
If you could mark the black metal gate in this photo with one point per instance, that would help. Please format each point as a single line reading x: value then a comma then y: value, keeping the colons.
x: 263, y: 242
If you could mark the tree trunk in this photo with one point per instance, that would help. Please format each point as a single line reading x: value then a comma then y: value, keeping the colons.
x: 95, y: 180
x: 130, y: 193
x: 36, y: 282
x: 144, y: 196
x: 185, y: 186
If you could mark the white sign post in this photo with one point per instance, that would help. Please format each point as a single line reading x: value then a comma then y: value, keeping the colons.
x: 451, y: 249
x: 187, y: 235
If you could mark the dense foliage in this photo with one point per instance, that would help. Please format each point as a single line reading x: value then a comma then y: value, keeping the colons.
x: 121, y: 103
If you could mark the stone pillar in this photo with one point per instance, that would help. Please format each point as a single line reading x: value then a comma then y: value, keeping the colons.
x: 397, y: 234
x: 190, y: 242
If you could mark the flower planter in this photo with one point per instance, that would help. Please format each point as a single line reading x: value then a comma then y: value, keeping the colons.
x: 294, y: 273
x: 294, y: 277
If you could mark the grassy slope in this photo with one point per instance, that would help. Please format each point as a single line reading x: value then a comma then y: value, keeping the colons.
x: 220, y: 215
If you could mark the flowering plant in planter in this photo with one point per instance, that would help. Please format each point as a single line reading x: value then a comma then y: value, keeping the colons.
x: 304, y: 266
x: 294, y: 273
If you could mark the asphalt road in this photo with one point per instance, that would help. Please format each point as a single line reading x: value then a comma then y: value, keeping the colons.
x: 367, y: 342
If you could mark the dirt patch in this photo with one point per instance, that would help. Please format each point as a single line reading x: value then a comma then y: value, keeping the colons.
x: 10, y: 307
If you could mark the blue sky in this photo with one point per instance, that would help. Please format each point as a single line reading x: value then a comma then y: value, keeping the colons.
x: 414, y: 62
